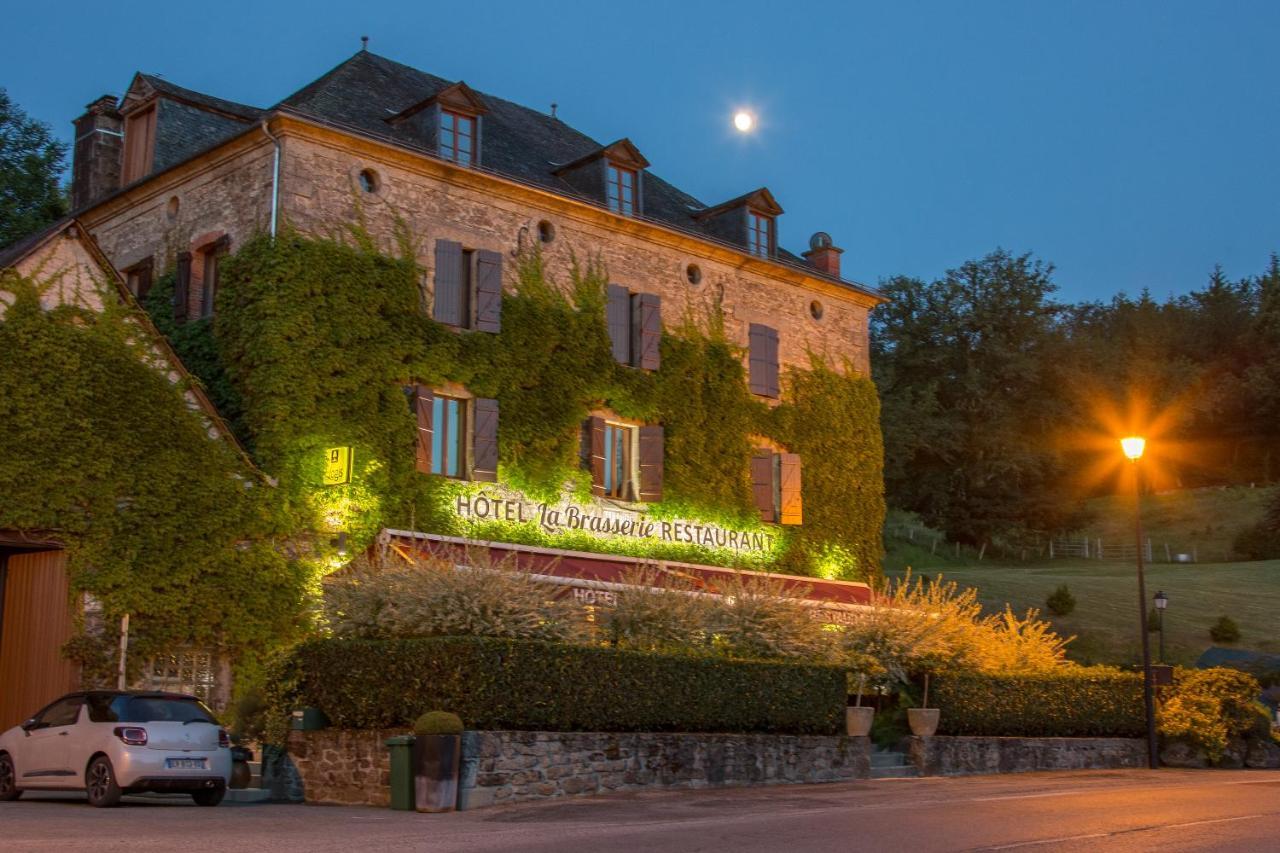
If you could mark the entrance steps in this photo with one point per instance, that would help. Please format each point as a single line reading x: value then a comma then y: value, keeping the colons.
x: 891, y: 764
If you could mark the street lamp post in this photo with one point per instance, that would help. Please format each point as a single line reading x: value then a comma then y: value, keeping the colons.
x: 1133, y: 447
x: 1162, y: 601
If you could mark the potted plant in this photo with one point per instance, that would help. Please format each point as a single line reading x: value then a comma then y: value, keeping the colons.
x: 924, y: 720
x: 857, y: 719
x: 437, y: 750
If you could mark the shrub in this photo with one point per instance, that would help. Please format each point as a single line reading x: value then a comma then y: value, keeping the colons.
x: 1225, y: 630
x: 438, y: 723
x: 1061, y: 602
x: 516, y: 684
x: 1073, y: 702
x: 656, y: 613
x: 754, y: 619
x: 1209, y: 707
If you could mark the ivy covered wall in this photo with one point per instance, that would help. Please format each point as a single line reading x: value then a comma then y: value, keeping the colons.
x: 314, y: 340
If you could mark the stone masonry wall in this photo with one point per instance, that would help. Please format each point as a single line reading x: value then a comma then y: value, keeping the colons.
x: 963, y: 756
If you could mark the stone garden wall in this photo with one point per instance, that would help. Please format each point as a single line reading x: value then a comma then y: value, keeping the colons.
x: 962, y: 756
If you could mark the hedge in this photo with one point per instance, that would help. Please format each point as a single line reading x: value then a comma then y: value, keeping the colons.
x: 524, y: 684
x: 1070, y: 704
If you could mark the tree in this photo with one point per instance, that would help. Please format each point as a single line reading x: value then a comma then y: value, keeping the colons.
x: 31, y: 161
x: 1225, y: 630
x: 1061, y: 602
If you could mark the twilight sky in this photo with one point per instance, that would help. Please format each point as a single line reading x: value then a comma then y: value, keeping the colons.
x: 1133, y: 144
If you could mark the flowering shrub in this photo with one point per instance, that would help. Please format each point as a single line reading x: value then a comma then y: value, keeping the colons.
x: 1209, y: 707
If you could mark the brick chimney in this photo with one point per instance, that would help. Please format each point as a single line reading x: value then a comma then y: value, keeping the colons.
x: 98, y: 153
x: 822, y: 255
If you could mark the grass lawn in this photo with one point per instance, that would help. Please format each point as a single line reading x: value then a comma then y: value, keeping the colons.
x: 1105, y: 619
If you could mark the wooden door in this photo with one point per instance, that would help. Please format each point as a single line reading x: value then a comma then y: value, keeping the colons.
x: 36, y: 622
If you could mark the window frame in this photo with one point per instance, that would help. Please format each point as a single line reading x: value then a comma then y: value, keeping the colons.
x: 626, y: 437
x: 139, y: 278
x: 442, y: 441
x: 759, y: 228
x: 452, y: 151
x: 209, y: 275
x: 627, y: 191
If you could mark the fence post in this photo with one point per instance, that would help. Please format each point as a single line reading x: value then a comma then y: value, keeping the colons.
x: 1050, y: 549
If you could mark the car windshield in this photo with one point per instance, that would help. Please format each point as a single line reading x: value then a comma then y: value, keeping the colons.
x: 155, y: 709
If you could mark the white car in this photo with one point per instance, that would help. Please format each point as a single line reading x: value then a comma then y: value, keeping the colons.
x: 111, y: 742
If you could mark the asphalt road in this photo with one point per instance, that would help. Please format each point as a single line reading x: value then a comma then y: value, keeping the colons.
x: 1168, y: 810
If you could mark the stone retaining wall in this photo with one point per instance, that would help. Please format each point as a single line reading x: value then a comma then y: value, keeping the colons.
x: 963, y: 756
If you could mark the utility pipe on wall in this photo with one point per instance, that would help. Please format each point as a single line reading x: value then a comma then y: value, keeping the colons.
x: 275, y: 177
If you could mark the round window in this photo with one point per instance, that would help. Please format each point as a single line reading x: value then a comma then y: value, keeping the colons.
x: 546, y: 231
x: 369, y: 181
x: 815, y: 309
x: 693, y: 273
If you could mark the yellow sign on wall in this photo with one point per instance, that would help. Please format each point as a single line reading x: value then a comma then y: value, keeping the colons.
x: 337, y: 465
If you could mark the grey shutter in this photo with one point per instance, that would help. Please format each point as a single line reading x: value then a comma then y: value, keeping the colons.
x: 484, y: 441
x: 646, y: 330
x: 182, y: 288
x: 450, y: 304
x: 762, y: 484
x: 618, y: 316
x: 789, y: 489
x: 422, y: 402
x: 595, y: 454
x: 488, y: 291
x: 651, y: 464
x: 762, y: 360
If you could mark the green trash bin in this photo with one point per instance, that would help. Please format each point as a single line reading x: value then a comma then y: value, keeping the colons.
x: 401, y: 748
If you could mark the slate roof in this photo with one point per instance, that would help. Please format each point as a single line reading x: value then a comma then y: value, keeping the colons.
x: 180, y: 93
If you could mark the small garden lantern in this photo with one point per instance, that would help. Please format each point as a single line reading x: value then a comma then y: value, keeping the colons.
x: 1162, y: 601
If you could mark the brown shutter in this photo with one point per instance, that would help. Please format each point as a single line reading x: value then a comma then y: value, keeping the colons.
x: 618, y: 315
x: 762, y: 360
x: 144, y: 272
x: 450, y: 299
x: 484, y: 441
x: 182, y: 288
x: 651, y: 464
x: 595, y: 454
x: 646, y: 330
x: 762, y: 484
x: 488, y: 291
x: 789, y: 489
x: 422, y: 402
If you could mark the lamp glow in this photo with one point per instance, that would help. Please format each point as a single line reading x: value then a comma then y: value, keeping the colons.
x: 1133, y: 446
x: 743, y: 121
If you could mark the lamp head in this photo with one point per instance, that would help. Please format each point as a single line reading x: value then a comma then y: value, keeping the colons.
x: 1133, y: 446
x: 1162, y: 600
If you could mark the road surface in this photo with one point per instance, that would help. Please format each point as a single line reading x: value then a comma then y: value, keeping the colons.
x: 1167, y: 810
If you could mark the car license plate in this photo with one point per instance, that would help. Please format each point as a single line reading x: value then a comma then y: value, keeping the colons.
x: 184, y: 763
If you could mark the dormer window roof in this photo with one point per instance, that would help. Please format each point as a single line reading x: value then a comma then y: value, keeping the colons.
x: 450, y: 118
x: 749, y: 221
x: 613, y: 174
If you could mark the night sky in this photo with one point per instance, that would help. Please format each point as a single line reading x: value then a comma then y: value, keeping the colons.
x: 1131, y: 144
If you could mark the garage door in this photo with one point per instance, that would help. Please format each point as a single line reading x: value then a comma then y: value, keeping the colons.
x: 36, y: 622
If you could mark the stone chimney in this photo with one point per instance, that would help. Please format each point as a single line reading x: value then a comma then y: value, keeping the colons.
x: 98, y: 153
x: 822, y: 255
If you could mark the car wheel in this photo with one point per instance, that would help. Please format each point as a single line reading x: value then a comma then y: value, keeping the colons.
x: 9, y: 789
x: 100, y: 782
x: 209, y: 796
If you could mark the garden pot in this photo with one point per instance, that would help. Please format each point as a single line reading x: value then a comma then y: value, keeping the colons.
x: 857, y: 720
x: 435, y: 772
x: 923, y: 721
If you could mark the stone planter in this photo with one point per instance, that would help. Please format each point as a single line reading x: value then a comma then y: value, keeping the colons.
x: 435, y: 772
x: 923, y: 721
x: 857, y: 720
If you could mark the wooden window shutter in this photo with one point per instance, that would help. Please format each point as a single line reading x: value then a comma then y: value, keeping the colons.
x: 594, y: 441
x: 618, y: 315
x: 646, y: 330
x: 762, y: 469
x: 651, y: 463
x: 144, y: 272
x: 789, y: 489
x: 422, y: 402
x: 450, y: 302
x: 762, y: 360
x: 484, y: 441
x: 488, y: 291
x: 182, y: 288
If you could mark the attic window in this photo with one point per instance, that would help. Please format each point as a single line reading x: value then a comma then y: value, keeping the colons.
x: 139, y: 144
x: 759, y: 234
x: 457, y: 137
x: 620, y: 189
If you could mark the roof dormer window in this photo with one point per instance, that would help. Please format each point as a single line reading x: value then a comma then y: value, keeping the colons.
x: 759, y: 234
x: 620, y: 189
x: 457, y: 137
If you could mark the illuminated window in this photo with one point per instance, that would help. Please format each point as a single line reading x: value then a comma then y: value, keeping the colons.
x: 759, y: 234
x: 619, y: 456
x: 457, y: 137
x: 620, y: 189
x: 448, y: 437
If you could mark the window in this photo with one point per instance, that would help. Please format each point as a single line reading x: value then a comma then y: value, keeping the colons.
x: 625, y: 460
x: 619, y: 453
x: 139, y: 144
x: 448, y: 437
x: 762, y: 360
x: 465, y: 278
x: 64, y: 712
x: 759, y: 234
x: 635, y: 327
x: 209, y: 279
x: 137, y: 278
x: 457, y: 137
x: 620, y: 189
x: 776, y: 486
x: 369, y: 182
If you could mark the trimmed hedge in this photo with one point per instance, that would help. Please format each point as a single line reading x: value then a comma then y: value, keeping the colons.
x: 1070, y: 704
x: 525, y: 684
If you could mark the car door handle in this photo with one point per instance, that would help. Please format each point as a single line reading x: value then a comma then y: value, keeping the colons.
x: 63, y: 734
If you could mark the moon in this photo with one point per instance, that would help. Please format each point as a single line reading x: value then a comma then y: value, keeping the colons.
x: 744, y: 121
